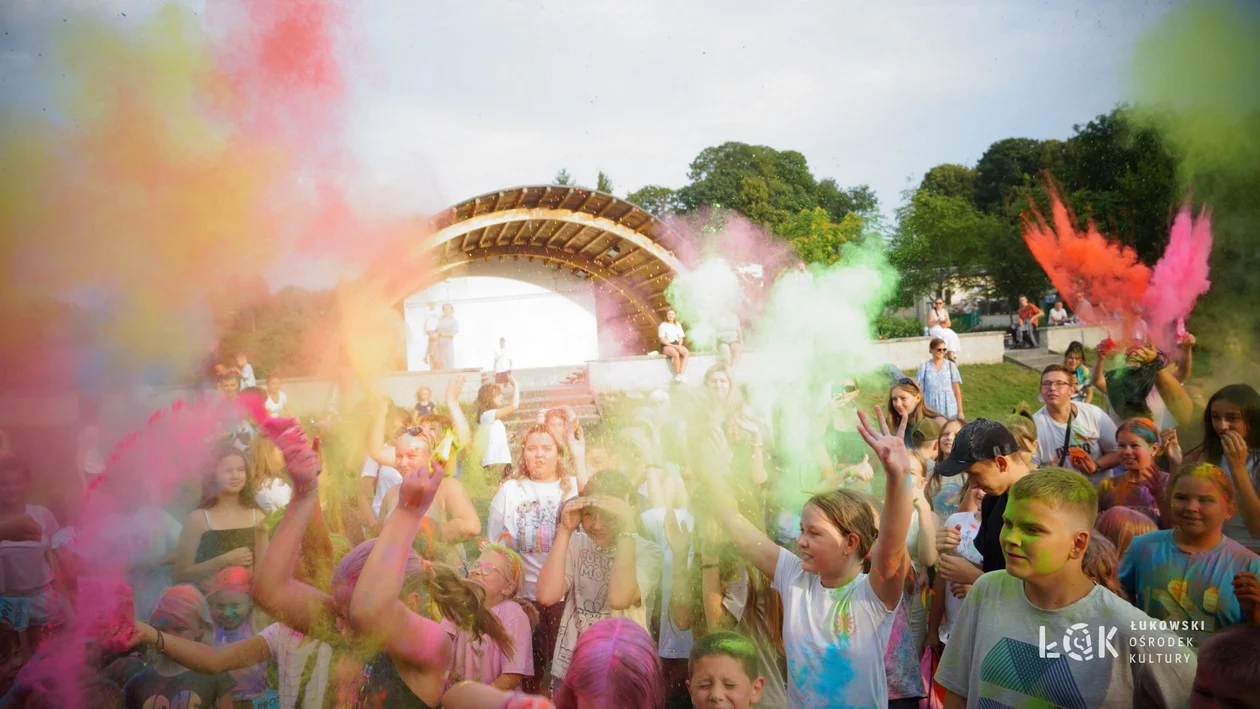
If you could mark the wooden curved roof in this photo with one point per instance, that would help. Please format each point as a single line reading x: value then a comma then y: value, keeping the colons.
x: 628, y: 252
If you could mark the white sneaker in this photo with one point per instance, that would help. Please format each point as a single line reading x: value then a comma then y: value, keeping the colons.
x: 680, y: 379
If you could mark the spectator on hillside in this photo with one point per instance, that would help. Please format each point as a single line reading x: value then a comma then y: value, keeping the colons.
x: 939, y: 325
x: 1058, y: 315
x: 1026, y: 324
x: 502, y: 363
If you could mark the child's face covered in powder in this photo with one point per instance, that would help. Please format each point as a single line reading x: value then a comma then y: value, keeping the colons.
x: 230, y: 608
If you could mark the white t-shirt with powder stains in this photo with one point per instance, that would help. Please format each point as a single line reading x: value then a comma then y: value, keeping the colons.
x: 835, y: 639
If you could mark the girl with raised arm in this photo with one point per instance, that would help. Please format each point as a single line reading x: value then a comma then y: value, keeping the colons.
x: 392, y: 652
x: 837, y: 610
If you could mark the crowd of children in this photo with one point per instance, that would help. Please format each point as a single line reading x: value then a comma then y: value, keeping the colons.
x: 1068, y: 557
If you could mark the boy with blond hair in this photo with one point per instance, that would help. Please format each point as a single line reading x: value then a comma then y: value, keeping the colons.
x: 1041, y: 633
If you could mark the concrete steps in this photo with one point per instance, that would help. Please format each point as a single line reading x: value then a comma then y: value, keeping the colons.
x: 1034, y: 359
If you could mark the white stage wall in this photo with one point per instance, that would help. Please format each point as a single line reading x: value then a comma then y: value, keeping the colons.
x: 547, y: 316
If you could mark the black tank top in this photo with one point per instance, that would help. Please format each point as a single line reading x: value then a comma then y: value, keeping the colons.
x: 384, y: 688
x: 216, y: 542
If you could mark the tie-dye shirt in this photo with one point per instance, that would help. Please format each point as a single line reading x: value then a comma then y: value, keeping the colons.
x: 1195, y: 589
x: 834, y: 639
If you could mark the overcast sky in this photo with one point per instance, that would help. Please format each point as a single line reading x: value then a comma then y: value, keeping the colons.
x: 461, y: 97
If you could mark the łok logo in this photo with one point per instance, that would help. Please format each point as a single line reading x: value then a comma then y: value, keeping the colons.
x: 1078, y: 643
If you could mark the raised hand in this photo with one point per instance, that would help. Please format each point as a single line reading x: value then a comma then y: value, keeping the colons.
x: 1172, y: 447
x: 1235, y: 450
x: 577, y: 441
x: 571, y: 517
x: 417, y: 490
x: 300, y: 459
x: 1247, y: 590
x: 890, y: 448
x: 676, y: 534
x: 454, y: 386
x: 618, y: 509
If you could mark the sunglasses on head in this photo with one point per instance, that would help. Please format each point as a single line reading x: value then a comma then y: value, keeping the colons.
x: 907, y: 381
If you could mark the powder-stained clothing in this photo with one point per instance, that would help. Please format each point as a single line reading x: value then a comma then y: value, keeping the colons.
x: 1194, y: 588
x: 149, y: 690
x: 1092, y: 654
x: 587, y: 574
x: 835, y: 639
x: 482, y: 660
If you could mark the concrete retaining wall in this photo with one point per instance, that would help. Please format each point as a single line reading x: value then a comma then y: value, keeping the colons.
x: 1058, y: 338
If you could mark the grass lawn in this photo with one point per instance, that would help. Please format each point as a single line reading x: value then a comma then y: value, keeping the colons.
x: 989, y: 390
x: 994, y: 390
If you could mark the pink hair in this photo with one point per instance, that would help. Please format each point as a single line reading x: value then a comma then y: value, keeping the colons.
x: 615, y: 663
x: 233, y: 578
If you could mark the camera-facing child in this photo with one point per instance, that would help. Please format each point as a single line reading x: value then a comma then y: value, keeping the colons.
x: 723, y: 672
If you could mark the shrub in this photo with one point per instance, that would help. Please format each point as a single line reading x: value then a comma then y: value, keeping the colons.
x: 890, y: 326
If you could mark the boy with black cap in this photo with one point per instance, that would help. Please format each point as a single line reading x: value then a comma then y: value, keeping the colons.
x: 986, y: 451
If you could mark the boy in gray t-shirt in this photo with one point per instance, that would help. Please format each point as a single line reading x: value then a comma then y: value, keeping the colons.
x: 1041, y: 633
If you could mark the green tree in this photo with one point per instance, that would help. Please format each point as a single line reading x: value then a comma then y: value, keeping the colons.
x: 949, y: 180
x: 764, y: 184
x: 603, y: 183
x: 1006, y: 165
x: 816, y: 238
x: 655, y: 199
x: 563, y: 178
x: 940, y: 239
x: 1124, y: 177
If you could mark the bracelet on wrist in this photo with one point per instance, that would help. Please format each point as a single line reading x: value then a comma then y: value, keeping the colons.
x: 161, y: 643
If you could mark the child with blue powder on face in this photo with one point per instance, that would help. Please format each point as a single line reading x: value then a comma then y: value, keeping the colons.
x: 1188, y: 573
x: 232, y: 610
x: 840, y: 594
x: 1043, y: 617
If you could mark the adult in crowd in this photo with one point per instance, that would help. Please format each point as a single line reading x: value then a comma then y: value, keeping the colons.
x: 1026, y: 319
x: 1058, y: 315
x: 842, y: 454
x: 941, y: 381
x: 671, y: 336
x: 447, y: 329
x: 939, y: 325
x: 1072, y: 434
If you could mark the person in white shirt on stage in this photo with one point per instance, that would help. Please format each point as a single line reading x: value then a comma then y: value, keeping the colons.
x: 671, y: 335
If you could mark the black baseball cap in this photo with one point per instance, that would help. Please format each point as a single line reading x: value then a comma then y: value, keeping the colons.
x: 979, y: 440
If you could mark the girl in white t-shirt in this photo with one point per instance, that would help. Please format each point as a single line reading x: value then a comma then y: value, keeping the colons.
x: 671, y: 335
x: 527, y: 508
x: 490, y: 415
x: 273, y: 489
x: 835, y: 614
